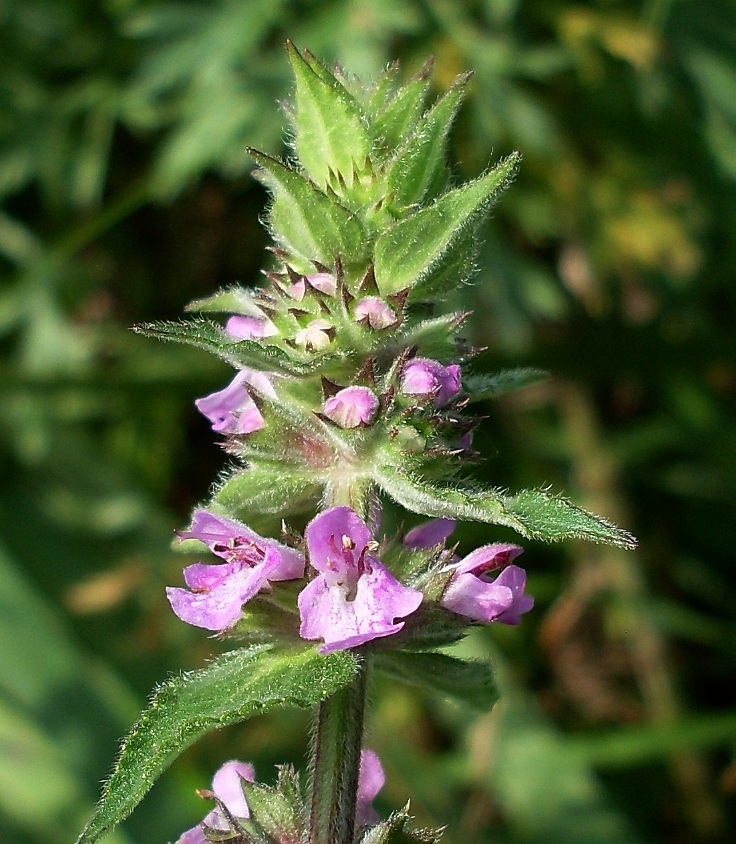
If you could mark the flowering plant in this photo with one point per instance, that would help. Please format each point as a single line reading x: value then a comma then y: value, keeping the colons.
x: 349, y: 390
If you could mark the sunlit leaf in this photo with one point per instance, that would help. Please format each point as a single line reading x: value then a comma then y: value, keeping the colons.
x: 229, y: 690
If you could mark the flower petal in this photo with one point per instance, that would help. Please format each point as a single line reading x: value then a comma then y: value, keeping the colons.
x: 502, y: 600
x: 371, y: 779
x: 429, y: 534
x: 336, y: 539
x: 232, y: 410
x: 328, y: 613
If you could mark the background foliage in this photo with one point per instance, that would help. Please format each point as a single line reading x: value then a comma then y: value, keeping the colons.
x: 126, y: 193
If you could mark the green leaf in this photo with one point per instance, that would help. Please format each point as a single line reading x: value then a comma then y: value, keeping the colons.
x: 419, y: 170
x: 330, y: 135
x: 394, y: 831
x: 229, y: 690
x: 407, y: 251
x: 470, y: 682
x: 208, y: 335
x: 485, y: 387
x: 435, y: 336
x: 231, y: 300
x: 400, y: 115
x: 535, y: 514
x: 306, y: 221
x: 279, y: 813
x: 455, y: 267
x: 267, y: 487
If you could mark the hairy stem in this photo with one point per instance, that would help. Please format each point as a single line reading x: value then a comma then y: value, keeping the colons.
x: 335, y: 764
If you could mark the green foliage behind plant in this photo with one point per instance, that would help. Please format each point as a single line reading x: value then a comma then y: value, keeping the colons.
x: 126, y: 193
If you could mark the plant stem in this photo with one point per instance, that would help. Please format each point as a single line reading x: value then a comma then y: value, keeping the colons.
x: 335, y: 763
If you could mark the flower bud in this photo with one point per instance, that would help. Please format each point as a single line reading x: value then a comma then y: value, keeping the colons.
x: 375, y: 312
x: 316, y: 336
x: 427, y: 378
x: 323, y: 282
x: 352, y: 407
x: 249, y: 328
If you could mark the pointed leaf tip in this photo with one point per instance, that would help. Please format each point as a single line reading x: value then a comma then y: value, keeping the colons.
x: 229, y: 690
x: 328, y: 122
x: 408, y: 251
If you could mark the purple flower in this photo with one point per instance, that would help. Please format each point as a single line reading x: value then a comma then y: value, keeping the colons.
x: 472, y: 593
x: 249, y: 328
x: 354, y: 599
x: 375, y: 312
x: 370, y: 781
x: 429, y: 379
x: 429, y: 534
x: 227, y: 787
x: 232, y: 410
x: 352, y: 407
x: 219, y: 592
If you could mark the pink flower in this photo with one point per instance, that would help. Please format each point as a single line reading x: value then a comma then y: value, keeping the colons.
x: 429, y: 379
x: 227, y: 786
x: 355, y: 598
x: 219, y: 592
x: 232, y: 410
x: 352, y: 407
x: 471, y: 591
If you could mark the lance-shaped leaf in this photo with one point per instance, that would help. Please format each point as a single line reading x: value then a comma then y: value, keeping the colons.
x: 330, y: 135
x: 534, y: 513
x: 207, y: 335
x: 229, y: 690
x: 399, y: 117
x: 419, y: 169
x: 471, y: 682
x: 305, y: 220
x: 435, y: 336
x: 409, y: 249
x: 485, y: 387
x: 454, y: 268
x: 267, y: 487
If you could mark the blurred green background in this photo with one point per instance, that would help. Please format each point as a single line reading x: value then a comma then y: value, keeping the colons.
x: 126, y: 193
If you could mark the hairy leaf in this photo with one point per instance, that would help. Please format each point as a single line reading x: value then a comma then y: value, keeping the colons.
x: 407, y: 251
x: 231, y: 300
x: 400, y: 115
x: 419, y: 170
x: 207, y: 335
x: 229, y: 690
x: 484, y: 387
x: 330, y: 135
x: 534, y: 513
x: 470, y: 682
x: 267, y: 487
x: 307, y: 221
